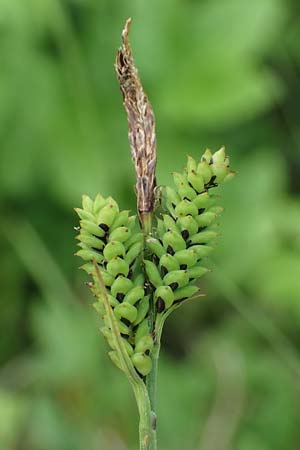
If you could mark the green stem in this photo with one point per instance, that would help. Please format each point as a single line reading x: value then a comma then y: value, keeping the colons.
x: 147, y: 434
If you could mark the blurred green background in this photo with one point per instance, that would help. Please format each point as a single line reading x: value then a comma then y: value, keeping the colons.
x: 216, y: 73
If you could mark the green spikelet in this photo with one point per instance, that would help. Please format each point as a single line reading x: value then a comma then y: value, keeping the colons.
x: 186, y: 234
x: 112, y: 240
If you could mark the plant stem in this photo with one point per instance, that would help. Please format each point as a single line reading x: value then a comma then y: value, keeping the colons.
x: 147, y: 434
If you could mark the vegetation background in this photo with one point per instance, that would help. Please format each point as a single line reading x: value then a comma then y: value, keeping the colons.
x: 216, y: 73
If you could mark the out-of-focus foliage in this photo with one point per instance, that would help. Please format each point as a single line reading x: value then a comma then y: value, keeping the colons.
x: 217, y: 73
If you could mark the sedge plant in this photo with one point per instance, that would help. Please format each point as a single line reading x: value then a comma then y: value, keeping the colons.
x: 143, y: 267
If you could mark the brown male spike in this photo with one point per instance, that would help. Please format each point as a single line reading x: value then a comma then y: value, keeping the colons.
x: 141, y: 122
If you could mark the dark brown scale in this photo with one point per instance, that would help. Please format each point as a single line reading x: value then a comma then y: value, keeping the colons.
x: 104, y: 227
x: 120, y: 296
x: 170, y: 250
x: 163, y: 270
x: 183, y: 266
x: 160, y: 305
x: 126, y: 321
x: 185, y: 234
x: 155, y: 259
x: 174, y: 286
x: 211, y: 183
x: 201, y: 210
x: 130, y: 274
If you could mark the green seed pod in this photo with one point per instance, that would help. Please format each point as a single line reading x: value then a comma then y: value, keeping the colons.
x: 153, y: 273
x: 203, y: 169
x: 168, y: 262
x: 169, y: 223
x: 142, y: 363
x: 128, y: 347
x: 205, y: 219
x: 205, y: 200
x: 120, y: 287
x: 185, y: 207
x: 89, y: 255
x: 144, y: 344
x: 186, y: 258
x: 117, y: 266
x: 197, y: 272
x: 124, y: 329
x: 139, y: 279
x: 202, y: 250
x: 187, y: 224
x: 207, y: 155
x: 98, y: 204
x: 112, y: 300
x: 196, y: 181
x: 160, y: 228
x: 120, y: 234
x: 220, y: 171
x: 155, y: 247
x: 185, y: 292
x: 191, y: 164
x: 183, y: 188
x: 115, y: 359
x: 92, y: 228
x: 203, y: 237
x: 173, y: 242
x: 142, y: 330
x: 85, y: 215
x: 91, y: 241
x: 87, y: 203
x: 175, y: 279
x: 113, y: 249
x: 133, y: 252
x: 135, y: 237
x: 172, y: 196
x: 134, y: 295
x: 143, y: 308
x: 219, y: 156
x: 179, y: 179
x: 163, y: 297
x: 127, y: 311
x: 120, y: 221
x: 107, y: 214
